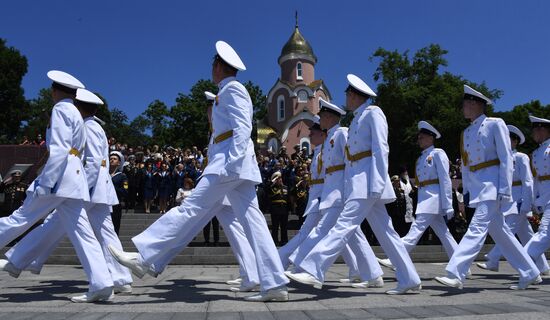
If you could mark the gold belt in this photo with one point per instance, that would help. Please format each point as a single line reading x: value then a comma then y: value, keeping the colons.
x: 544, y: 178
x: 223, y: 136
x: 424, y: 183
x: 357, y: 156
x: 279, y: 201
x: 335, y: 168
x: 103, y: 163
x: 516, y: 183
x: 316, y: 181
x: 486, y: 164
x: 74, y: 152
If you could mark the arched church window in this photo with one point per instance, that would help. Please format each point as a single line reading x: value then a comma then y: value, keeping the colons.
x: 299, y: 71
x: 280, y: 108
x: 302, y: 96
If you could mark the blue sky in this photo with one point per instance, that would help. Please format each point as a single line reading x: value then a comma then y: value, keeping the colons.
x: 133, y: 52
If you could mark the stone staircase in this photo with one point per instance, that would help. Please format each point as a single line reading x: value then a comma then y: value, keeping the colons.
x: 197, y: 253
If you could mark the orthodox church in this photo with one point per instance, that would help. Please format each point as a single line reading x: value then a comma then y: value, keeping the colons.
x: 293, y: 101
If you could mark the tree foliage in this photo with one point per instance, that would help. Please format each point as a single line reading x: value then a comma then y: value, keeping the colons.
x: 415, y: 88
x: 13, y: 66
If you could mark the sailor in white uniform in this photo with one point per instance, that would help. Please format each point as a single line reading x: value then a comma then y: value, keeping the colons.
x: 487, y: 167
x: 248, y: 271
x: 331, y: 203
x: 62, y: 185
x: 316, y: 136
x: 232, y: 171
x: 434, y: 193
x: 367, y: 189
x: 516, y: 213
x: 540, y: 162
x: 33, y: 250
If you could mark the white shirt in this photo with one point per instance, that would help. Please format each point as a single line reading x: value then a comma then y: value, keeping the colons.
x: 64, y: 172
x: 541, y: 166
x: 234, y: 156
x: 487, y: 139
x: 433, y: 164
x: 368, y: 131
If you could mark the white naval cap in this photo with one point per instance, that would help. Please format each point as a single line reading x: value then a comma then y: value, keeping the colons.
x: 87, y: 96
x: 229, y: 55
x: 315, y: 126
x: 424, y: 126
x: 539, y: 122
x: 118, y: 154
x: 209, y: 96
x: 65, y: 79
x: 327, y: 106
x: 360, y: 85
x: 517, y: 132
x: 471, y: 94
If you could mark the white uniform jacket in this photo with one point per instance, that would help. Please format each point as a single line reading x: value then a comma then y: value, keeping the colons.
x: 368, y: 133
x: 65, y: 140
x: 487, y: 163
x: 522, y: 185
x: 96, y: 155
x: 232, y: 152
x: 541, y: 171
x: 316, y: 183
x: 434, y: 182
x: 332, y: 155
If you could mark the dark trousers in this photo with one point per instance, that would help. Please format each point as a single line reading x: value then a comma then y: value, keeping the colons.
x: 116, y: 216
x: 215, y: 230
x: 279, y: 219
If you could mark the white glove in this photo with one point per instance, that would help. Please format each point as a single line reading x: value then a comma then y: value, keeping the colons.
x: 375, y: 195
x: 450, y: 213
x: 504, y: 198
x: 41, y: 191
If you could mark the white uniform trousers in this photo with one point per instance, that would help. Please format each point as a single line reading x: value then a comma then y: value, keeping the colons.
x: 355, y: 250
x: 488, y: 219
x: 71, y: 219
x: 438, y: 225
x: 42, y: 242
x: 519, y: 225
x: 323, y: 255
x: 171, y: 230
x: 236, y: 237
x: 540, y: 242
x: 312, y: 220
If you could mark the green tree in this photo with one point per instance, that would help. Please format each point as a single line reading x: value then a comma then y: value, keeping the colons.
x: 13, y: 66
x: 414, y: 89
x: 38, y: 115
x: 156, y: 115
x: 519, y: 117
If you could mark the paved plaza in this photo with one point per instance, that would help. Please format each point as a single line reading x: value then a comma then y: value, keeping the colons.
x: 200, y: 292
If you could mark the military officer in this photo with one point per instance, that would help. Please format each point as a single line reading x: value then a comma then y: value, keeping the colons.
x: 487, y: 167
x: 120, y: 182
x: 434, y: 193
x: 14, y: 190
x: 232, y: 171
x: 279, y: 207
x: 367, y: 188
x: 515, y: 214
x: 62, y: 185
x: 40, y: 243
x: 540, y: 162
x: 331, y: 203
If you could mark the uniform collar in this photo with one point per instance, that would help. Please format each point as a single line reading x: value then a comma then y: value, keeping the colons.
x: 479, y: 119
x: 89, y: 118
x: 331, y: 130
x: 360, y: 109
x: 546, y: 142
x: 428, y: 150
x: 66, y: 100
x: 226, y: 81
